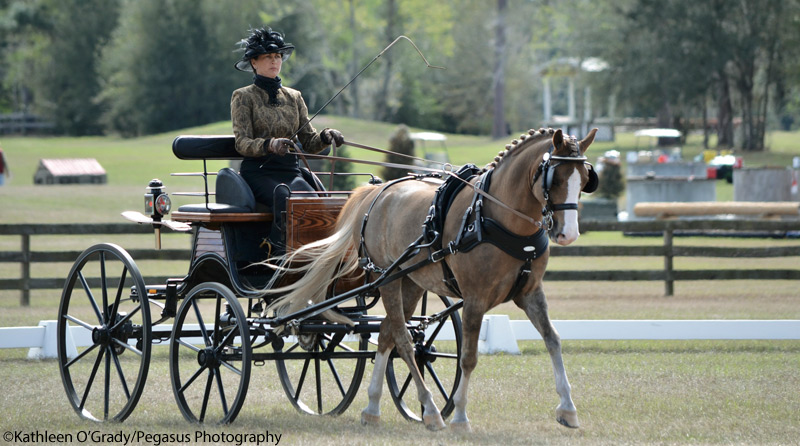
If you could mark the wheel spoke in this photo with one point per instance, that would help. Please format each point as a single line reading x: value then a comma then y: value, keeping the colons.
x: 121, y: 286
x: 207, y: 393
x: 217, y: 327
x: 319, y: 384
x: 336, y: 377
x: 107, y: 383
x: 121, y: 374
x: 91, y: 297
x: 435, y: 333
x: 126, y: 346
x: 79, y: 357
x: 405, y: 387
x: 231, y: 368
x: 191, y: 380
x: 188, y: 345
x: 227, y: 339
x: 126, y: 318
x: 437, y: 381
x: 103, y: 288
x: 301, y: 380
x: 221, y: 391
x: 203, y: 330
x: 79, y: 322
x: 91, y: 378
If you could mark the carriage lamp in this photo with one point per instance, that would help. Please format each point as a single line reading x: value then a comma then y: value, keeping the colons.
x: 156, y: 204
x: 156, y: 201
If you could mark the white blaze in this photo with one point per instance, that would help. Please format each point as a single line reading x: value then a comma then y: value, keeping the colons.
x: 570, y: 232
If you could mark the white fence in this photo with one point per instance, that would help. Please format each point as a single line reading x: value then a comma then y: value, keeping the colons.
x: 499, y: 334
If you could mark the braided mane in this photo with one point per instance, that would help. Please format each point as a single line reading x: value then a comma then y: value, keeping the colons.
x: 516, y: 145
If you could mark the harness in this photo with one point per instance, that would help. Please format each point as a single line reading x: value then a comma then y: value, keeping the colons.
x: 475, y: 227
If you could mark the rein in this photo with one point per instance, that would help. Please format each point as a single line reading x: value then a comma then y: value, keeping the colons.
x: 446, y: 169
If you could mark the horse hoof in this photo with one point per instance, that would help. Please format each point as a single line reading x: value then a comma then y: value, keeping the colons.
x: 568, y: 418
x: 461, y: 427
x: 368, y: 419
x: 434, y: 422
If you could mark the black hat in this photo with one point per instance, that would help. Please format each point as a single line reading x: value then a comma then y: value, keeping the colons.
x: 262, y: 41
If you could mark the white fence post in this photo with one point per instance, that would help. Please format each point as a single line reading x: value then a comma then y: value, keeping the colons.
x: 49, y: 345
x: 497, y: 336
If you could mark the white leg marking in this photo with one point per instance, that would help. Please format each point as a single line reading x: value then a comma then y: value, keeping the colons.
x: 460, y: 400
x: 375, y: 388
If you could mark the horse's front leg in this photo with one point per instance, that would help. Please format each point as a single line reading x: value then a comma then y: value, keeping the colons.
x: 535, y: 307
x: 471, y: 320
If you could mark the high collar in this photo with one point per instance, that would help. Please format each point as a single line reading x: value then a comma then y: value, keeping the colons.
x: 270, y: 85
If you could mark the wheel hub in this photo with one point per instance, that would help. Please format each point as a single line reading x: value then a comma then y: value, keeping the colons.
x: 425, y: 354
x: 208, y: 357
x: 101, y: 335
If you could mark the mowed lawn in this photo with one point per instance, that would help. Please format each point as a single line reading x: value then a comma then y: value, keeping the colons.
x: 635, y: 392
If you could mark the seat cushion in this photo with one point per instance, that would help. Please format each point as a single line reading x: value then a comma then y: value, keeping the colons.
x: 214, y: 208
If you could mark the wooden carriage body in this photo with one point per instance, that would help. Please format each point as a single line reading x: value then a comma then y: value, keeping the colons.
x: 230, y: 230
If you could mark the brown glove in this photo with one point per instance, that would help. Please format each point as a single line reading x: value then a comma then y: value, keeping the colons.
x: 280, y: 146
x: 334, y: 135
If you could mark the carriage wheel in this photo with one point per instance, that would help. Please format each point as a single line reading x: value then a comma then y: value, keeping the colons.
x: 210, y: 355
x: 321, y: 372
x: 102, y: 368
x: 439, y: 365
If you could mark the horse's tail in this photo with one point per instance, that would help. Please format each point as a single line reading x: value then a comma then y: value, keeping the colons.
x: 320, y: 263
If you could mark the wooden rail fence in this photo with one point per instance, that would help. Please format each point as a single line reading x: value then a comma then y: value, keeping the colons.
x: 667, y: 228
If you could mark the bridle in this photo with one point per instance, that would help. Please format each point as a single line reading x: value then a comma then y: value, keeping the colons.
x: 546, y: 171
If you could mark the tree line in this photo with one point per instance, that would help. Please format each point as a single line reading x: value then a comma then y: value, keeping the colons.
x: 136, y: 67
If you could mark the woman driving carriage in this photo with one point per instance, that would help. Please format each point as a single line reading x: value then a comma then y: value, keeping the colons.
x: 269, y: 120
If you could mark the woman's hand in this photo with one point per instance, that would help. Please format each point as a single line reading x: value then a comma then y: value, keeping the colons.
x: 334, y: 135
x: 281, y: 146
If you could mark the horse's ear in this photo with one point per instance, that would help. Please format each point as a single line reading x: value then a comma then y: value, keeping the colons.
x: 558, y: 139
x: 586, y: 142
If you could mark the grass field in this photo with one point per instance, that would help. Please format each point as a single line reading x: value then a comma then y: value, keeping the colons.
x: 627, y: 392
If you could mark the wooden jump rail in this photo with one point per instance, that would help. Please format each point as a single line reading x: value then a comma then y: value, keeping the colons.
x: 26, y: 256
x: 707, y: 208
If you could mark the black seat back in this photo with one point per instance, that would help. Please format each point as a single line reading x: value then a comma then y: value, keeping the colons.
x: 234, y: 191
x: 209, y: 147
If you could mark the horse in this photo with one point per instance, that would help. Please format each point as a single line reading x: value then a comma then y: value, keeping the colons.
x: 531, y: 195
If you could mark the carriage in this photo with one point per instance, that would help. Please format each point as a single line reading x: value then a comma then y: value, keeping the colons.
x: 322, y: 323
x: 212, y: 318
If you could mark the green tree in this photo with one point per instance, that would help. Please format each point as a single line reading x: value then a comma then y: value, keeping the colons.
x: 170, y: 64
x: 65, y: 79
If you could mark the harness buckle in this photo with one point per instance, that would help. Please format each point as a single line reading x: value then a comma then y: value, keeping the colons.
x: 437, y: 256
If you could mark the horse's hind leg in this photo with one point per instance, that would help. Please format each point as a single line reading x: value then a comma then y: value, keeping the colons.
x: 535, y: 307
x: 372, y: 413
x: 397, y: 298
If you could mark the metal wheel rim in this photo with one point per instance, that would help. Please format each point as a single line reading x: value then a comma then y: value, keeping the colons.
x: 399, y: 390
x: 109, y: 345
x: 221, y: 336
x: 316, y: 366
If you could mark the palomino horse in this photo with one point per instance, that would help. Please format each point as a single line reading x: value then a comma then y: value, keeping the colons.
x: 540, y: 175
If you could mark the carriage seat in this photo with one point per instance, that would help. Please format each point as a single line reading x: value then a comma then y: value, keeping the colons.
x: 233, y: 195
x: 234, y: 198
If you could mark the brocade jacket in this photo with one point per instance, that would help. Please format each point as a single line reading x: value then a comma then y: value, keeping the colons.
x: 255, y: 122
